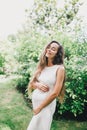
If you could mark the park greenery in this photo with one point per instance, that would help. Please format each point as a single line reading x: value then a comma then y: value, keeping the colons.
x: 2, y: 61
x: 45, y: 22
x: 16, y: 115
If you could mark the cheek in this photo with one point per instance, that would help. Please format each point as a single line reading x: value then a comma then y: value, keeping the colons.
x: 54, y: 53
x: 45, y: 51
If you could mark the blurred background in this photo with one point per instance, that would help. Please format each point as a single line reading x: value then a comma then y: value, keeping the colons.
x: 25, y: 28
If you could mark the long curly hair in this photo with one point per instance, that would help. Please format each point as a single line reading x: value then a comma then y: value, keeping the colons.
x: 43, y: 62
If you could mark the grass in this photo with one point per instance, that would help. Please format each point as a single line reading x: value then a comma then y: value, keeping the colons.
x: 68, y: 125
x: 15, y: 114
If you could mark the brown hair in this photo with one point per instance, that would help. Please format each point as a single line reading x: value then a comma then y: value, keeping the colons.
x: 58, y: 60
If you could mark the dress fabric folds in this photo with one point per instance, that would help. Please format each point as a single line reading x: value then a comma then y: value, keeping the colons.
x: 43, y: 120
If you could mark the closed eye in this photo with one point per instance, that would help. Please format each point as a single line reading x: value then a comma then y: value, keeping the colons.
x: 53, y: 48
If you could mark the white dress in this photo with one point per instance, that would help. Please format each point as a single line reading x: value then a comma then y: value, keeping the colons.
x: 43, y: 120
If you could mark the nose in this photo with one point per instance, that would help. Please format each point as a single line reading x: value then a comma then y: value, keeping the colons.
x: 49, y: 49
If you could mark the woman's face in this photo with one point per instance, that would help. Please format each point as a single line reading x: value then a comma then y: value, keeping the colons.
x: 52, y: 50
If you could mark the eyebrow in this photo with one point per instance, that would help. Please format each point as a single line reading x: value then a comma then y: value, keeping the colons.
x: 54, y: 47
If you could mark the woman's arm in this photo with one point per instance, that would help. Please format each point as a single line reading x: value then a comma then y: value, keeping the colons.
x: 55, y: 92
x: 40, y: 86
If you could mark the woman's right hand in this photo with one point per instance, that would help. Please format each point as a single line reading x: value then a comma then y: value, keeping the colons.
x: 42, y: 87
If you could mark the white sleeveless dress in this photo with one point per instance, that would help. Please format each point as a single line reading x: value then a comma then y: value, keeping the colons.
x: 43, y: 120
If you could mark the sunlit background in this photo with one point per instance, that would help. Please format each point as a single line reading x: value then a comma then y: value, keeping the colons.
x: 12, y: 14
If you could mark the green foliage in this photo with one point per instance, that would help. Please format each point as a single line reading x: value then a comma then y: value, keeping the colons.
x: 24, y: 79
x: 14, y: 113
x: 46, y: 19
x: 2, y: 61
x: 45, y: 14
x: 76, y: 87
x: 75, y: 64
x: 76, y: 80
x: 28, y: 55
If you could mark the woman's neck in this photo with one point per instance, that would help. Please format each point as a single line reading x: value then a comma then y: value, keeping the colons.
x: 50, y: 63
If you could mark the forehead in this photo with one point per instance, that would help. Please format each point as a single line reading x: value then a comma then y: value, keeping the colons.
x: 54, y: 45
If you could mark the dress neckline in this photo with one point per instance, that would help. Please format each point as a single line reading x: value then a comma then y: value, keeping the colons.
x: 48, y: 67
x: 51, y: 66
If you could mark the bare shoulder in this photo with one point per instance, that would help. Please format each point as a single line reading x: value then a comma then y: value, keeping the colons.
x: 61, y: 69
x: 60, y: 73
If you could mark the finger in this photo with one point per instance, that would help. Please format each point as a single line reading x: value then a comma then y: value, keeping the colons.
x: 44, y: 89
x: 45, y: 86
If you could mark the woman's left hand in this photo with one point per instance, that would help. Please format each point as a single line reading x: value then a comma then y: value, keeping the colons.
x: 36, y: 111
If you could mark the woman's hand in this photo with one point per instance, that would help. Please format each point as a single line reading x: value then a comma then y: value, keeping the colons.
x: 42, y: 87
x: 36, y: 111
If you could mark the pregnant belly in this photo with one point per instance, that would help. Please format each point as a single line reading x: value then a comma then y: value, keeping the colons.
x: 38, y: 96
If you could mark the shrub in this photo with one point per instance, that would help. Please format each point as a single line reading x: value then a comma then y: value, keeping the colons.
x: 2, y: 61
x: 76, y: 90
x: 76, y: 71
x: 23, y: 78
x: 27, y: 56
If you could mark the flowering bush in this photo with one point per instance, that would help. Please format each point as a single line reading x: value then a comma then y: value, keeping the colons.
x: 76, y: 72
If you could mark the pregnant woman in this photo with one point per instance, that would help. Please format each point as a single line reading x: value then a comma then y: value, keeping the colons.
x: 47, y: 84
